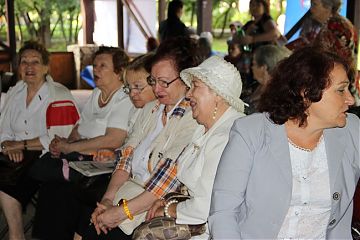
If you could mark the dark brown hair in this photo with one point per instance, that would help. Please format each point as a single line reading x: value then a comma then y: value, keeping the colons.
x: 181, y: 50
x: 36, y: 46
x: 298, y: 81
x: 266, y: 5
x: 119, y: 57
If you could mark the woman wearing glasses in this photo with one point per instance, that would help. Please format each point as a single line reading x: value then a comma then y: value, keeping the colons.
x: 164, y: 128
x: 136, y: 86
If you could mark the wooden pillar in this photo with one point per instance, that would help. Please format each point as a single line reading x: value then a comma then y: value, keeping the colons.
x: 356, y: 11
x: 88, y: 12
x: 10, y: 14
x: 204, y: 16
x: 120, y: 23
x: 162, y: 9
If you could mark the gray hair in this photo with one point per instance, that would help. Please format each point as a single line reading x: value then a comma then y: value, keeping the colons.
x: 270, y: 55
x: 334, y: 5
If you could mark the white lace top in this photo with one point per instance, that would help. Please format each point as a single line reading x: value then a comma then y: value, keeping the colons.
x: 310, y: 206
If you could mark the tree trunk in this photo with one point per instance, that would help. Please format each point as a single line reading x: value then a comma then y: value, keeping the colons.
x: 19, y: 25
x: 225, y: 22
x: 76, y: 27
x: 70, y: 26
x: 44, y: 33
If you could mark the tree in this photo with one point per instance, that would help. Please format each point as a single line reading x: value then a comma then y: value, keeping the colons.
x: 40, y: 15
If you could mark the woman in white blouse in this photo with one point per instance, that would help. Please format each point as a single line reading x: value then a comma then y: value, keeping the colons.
x: 214, y: 99
x: 103, y: 127
x: 290, y: 172
x: 105, y: 116
x: 26, y: 124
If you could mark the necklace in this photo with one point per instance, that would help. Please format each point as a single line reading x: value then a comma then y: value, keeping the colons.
x: 107, y: 99
x: 305, y: 149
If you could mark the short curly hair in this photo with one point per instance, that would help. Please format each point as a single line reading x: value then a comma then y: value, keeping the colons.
x: 298, y: 81
x: 119, y: 57
x: 36, y: 46
x: 182, y: 51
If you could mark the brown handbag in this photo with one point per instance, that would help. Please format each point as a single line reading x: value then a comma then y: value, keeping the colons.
x: 165, y: 228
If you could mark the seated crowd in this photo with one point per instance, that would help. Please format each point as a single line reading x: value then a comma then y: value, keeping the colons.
x: 187, y: 162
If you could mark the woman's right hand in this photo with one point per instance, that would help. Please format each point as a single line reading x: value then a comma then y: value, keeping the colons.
x: 153, y: 211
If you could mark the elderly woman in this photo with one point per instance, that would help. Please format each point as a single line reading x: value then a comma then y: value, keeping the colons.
x: 291, y: 170
x: 136, y: 86
x: 101, y: 121
x: 164, y: 128
x: 215, y: 87
x: 27, y: 123
x: 104, y: 124
x: 264, y: 61
x: 321, y: 11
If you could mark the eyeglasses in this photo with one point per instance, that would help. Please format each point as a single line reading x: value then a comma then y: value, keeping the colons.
x: 152, y: 81
x: 127, y: 89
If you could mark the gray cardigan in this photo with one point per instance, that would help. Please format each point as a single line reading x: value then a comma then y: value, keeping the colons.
x: 253, y: 185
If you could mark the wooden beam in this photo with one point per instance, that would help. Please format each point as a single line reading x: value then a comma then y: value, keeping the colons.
x: 204, y: 16
x: 120, y: 23
x: 10, y: 14
x: 88, y: 12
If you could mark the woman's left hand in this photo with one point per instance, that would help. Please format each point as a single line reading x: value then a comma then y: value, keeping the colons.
x: 15, y: 155
x: 103, y: 155
x: 109, y: 219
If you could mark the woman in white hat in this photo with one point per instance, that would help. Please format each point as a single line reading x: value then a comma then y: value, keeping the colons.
x: 214, y: 99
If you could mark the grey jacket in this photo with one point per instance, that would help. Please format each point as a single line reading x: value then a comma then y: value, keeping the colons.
x: 253, y: 185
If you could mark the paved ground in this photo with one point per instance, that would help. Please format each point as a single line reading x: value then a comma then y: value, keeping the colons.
x: 27, y: 222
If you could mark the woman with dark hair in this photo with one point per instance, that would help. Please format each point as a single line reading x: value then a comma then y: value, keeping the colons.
x: 261, y: 29
x: 299, y: 157
x: 173, y: 26
x: 145, y: 164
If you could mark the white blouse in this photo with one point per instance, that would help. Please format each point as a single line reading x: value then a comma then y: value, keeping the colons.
x: 310, y: 205
x: 95, y: 119
x: 28, y: 122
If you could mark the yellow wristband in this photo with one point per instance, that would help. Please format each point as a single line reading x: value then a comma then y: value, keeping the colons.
x: 126, y: 210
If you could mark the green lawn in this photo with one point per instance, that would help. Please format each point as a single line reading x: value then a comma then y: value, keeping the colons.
x: 219, y: 44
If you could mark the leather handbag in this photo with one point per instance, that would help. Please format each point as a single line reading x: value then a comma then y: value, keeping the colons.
x: 129, y: 190
x: 166, y: 228
x: 11, y: 171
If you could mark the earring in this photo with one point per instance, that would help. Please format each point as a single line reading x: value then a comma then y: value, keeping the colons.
x: 215, y: 111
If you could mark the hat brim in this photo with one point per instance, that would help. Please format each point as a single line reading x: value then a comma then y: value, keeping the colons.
x: 188, y: 75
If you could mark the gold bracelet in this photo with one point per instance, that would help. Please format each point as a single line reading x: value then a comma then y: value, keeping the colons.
x: 126, y: 210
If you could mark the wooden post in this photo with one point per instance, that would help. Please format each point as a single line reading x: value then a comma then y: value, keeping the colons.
x: 204, y: 16
x: 120, y: 23
x: 162, y: 9
x: 87, y: 12
x: 10, y: 14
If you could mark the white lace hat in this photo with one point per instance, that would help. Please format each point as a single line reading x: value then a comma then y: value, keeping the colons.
x: 220, y: 76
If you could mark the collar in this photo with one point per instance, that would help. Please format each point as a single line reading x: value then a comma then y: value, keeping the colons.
x: 179, y: 109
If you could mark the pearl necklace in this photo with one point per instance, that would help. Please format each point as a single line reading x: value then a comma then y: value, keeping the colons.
x: 107, y: 99
x: 305, y: 149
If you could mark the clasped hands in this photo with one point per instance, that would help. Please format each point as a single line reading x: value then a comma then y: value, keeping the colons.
x: 62, y: 145
x: 106, y: 216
